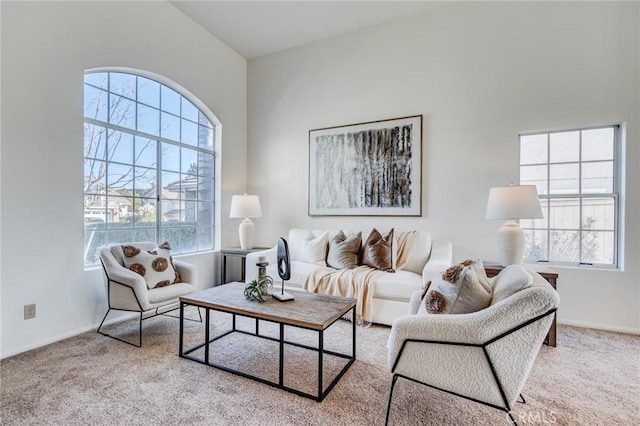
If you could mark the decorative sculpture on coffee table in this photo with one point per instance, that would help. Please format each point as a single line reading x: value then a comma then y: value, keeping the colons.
x: 284, y: 270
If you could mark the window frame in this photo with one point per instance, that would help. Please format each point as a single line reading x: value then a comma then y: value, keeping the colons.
x: 205, y: 119
x: 617, y: 176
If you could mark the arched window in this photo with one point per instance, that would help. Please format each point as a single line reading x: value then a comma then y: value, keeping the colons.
x: 148, y: 164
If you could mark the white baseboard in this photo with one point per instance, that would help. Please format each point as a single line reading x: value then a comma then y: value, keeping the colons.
x: 600, y: 326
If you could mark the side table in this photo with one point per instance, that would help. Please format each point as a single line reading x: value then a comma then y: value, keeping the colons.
x: 548, y: 274
x: 235, y: 252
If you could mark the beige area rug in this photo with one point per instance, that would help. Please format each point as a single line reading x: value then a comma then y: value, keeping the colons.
x: 591, y: 378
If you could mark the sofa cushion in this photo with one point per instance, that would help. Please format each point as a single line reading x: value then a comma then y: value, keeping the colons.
x: 377, y: 251
x: 399, y: 286
x: 154, y: 266
x: 343, y: 251
x: 509, y: 281
x: 457, y: 291
x: 299, y: 273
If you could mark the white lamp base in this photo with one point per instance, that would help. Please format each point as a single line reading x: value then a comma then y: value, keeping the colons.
x: 510, y: 243
x: 246, y: 231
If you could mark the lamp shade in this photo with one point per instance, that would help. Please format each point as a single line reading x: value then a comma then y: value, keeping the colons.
x: 514, y: 202
x: 245, y: 206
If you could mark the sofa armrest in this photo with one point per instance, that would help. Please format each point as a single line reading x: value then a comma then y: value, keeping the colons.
x: 250, y: 269
x: 187, y: 271
x: 441, y: 258
x: 119, y: 277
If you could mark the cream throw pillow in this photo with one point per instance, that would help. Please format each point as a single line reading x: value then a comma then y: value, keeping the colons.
x: 155, y: 266
x: 509, y: 281
x: 457, y: 291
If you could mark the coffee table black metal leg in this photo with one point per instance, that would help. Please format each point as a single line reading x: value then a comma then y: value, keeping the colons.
x: 353, y: 331
x: 320, y: 352
x: 281, y: 373
x: 181, y: 329
x: 206, y: 336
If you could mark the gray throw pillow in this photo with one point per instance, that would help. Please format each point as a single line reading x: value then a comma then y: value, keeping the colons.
x: 343, y: 251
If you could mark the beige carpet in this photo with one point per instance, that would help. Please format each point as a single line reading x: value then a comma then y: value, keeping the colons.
x: 591, y: 378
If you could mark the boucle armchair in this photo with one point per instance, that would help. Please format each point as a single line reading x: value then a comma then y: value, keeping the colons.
x: 485, y: 356
x: 129, y: 291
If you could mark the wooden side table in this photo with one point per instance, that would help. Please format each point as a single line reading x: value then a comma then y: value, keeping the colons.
x: 548, y: 274
x: 235, y: 252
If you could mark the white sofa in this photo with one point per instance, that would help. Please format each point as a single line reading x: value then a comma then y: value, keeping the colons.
x: 391, y: 291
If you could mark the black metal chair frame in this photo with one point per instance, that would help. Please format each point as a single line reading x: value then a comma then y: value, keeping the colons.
x: 140, y: 311
x: 506, y: 408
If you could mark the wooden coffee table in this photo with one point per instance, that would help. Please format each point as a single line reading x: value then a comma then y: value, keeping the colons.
x: 309, y: 311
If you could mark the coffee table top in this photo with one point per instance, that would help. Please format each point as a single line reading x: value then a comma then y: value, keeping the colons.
x: 308, y: 310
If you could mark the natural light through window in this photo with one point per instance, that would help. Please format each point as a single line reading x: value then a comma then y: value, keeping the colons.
x: 148, y: 165
x: 576, y: 174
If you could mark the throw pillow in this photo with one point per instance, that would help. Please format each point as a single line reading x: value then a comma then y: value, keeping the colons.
x: 155, y: 266
x: 314, y: 250
x: 343, y: 251
x: 164, y: 249
x: 457, y: 291
x: 377, y: 251
x: 509, y: 281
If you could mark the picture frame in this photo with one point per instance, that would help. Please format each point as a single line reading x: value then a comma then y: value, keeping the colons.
x: 367, y: 169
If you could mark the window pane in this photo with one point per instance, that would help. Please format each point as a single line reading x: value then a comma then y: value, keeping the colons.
x: 205, y: 188
x: 122, y: 84
x: 120, y: 177
x: 145, y: 213
x: 205, y: 137
x: 149, y: 92
x: 95, y: 141
x: 205, y: 214
x: 564, y: 246
x: 202, y: 120
x: 170, y: 126
x: 170, y: 100
x: 122, y: 112
x: 205, y: 238
x: 564, y: 213
x: 536, y: 245
x: 120, y: 147
x: 533, y: 149
x: 170, y: 157
x: 94, y: 176
x: 148, y: 120
x: 93, y: 240
x: 189, y: 187
x: 597, y: 144
x: 189, y: 161
x: 534, y: 175
x: 563, y: 179
x: 189, y: 133
x: 190, y: 212
x: 188, y: 242
x: 564, y: 147
x: 538, y: 223
x: 95, y: 103
x: 145, y: 181
x: 598, y: 213
x: 189, y: 111
x: 597, y: 178
x: 119, y: 235
x: 598, y: 247
x: 171, y: 210
x: 145, y: 152
x: 145, y: 234
x: 170, y: 185
x: 98, y: 79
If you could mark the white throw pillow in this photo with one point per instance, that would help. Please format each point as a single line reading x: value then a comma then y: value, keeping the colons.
x: 419, y: 251
x: 314, y: 250
x: 510, y: 280
x: 154, y: 266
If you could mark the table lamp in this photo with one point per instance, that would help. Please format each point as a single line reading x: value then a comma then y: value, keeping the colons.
x: 512, y: 203
x: 246, y: 206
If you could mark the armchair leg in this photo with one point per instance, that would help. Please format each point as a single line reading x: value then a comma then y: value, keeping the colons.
x: 512, y: 419
x: 393, y: 384
x: 118, y: 338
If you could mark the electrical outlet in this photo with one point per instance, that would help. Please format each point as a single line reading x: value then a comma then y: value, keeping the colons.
x: 29, y: 311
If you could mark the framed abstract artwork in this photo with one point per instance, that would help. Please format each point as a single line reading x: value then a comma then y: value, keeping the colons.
x: 366, y: 169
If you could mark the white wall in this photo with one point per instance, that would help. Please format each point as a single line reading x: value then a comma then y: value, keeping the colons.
x: 479, y: 73
x: 45, y: 49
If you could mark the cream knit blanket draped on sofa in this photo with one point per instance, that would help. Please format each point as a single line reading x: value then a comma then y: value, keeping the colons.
x: 357, y: 282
